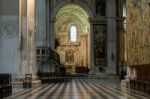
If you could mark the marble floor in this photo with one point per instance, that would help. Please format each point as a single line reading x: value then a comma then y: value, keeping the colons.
x: 79, y: 89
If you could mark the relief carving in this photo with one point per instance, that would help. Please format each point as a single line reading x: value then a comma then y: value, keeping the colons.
x: 69, y: 56
x: 9, y: 29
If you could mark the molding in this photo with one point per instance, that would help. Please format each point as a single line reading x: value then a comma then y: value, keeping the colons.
x: 98, y: 20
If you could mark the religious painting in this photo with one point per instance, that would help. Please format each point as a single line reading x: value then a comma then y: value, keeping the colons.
x: 100, y: 7
x: 69, y: 56
x: 100, y: 32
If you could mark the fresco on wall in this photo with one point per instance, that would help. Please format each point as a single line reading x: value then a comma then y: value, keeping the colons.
x: 99, y: 44
x: 138, y: 34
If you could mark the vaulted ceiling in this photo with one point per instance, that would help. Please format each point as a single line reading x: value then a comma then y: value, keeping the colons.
x: 71, y: 15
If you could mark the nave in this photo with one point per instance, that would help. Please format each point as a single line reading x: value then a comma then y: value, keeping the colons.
x: 79, y: 89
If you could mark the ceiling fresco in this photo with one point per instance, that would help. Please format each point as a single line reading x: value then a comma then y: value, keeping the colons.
x: 71, y: 15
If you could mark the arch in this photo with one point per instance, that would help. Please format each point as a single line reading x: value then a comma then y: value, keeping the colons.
x: 90, y: 15
x: 81, y: 3
x: 71, y: 14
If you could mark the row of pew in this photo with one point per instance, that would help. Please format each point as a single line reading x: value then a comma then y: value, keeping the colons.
x: 53, y: 77
x: 142, y: 80
x: 81, y: 69
x: 5, y: 85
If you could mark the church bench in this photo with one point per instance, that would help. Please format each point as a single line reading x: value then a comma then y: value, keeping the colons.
x: 140, y: 85
x: 5, y: 85
x: 142, y: 79
x: 53, y: 77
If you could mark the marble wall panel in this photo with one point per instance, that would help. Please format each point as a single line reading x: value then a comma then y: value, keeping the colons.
x: 100, y: 32
x: 9, y: 30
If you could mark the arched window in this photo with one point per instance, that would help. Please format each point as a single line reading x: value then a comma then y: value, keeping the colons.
x: 73, y: 34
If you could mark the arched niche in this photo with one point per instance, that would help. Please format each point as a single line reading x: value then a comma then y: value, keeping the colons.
x: 79, y: 13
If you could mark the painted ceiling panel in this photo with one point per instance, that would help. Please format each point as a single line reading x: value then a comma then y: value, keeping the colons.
x: 72, y: 14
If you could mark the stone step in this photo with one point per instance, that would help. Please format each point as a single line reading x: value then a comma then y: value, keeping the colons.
x: 18, y: 83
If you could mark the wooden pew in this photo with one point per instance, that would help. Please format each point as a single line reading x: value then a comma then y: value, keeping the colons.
x: 53, y: 77
x: 5, y: 85
x: 142, y: 80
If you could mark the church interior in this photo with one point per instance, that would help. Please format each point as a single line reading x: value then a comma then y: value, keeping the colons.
x: 74, y: 49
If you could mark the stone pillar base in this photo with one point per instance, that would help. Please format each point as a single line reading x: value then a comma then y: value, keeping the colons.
x: 113, y: 76
x: 125, y: 83
x: 36, y: 83
x: 101, y: 75
x: 18, y: 83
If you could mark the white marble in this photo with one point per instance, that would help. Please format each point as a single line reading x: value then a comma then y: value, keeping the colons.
x: 79, y: 89
x: 9, y: 59
x: 40, y: 22
x: 111, y: 37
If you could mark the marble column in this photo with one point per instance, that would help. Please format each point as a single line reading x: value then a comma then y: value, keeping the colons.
x: 111, y: 37
x: 90, y: 48
x: 122, y: 34
x: 31, y: 45
x: 50, y: 24
x: 48, y: 28
x: 22, y: 34
x: 27, y: 38
x: 52, y: 33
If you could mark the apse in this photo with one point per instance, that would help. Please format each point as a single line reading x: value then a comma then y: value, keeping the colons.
x: 71, y: 31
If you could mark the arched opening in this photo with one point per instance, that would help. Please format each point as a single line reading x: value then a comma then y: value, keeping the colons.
x: 73, y: 34
x: 72, y: 30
